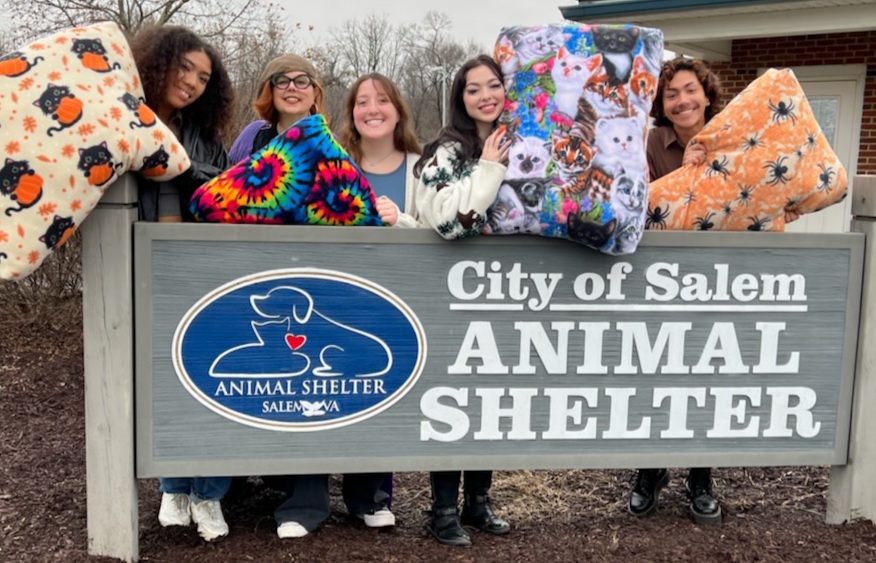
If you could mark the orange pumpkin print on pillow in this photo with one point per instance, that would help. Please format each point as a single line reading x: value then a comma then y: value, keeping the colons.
x: 72, y: 120
x: 765, y: 153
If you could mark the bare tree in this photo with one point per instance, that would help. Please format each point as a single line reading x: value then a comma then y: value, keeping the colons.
x: 371, y: 45
x: 336, y: 79
x: 410, y: 55
x: 211, y: 17
x: 436, y: 58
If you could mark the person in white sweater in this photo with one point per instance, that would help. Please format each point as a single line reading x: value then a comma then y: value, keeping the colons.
x: 460, y: 172
x: 458, y: 178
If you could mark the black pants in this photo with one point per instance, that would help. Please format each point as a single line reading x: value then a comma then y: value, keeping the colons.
x: 445, y: 486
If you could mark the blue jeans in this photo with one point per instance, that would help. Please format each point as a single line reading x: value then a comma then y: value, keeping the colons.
x: 201, y: 488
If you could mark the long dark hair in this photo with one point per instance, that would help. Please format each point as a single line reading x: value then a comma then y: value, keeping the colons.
x: 708, y: 79
x: 158, y: 51
x: 462, y: 129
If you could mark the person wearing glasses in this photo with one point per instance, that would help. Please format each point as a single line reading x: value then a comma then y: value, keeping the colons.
x: 289, y: 90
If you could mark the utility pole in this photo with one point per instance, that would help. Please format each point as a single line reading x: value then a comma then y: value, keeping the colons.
x: 442, y: 72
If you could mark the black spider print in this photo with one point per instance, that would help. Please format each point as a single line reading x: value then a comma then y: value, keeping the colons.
x: 758, y: 223
x: 657, y: 218
x: 718, y: 167
x: 777, y: 171
x: 704, y: 223
x: 783, y: 111
x: 825, y: 178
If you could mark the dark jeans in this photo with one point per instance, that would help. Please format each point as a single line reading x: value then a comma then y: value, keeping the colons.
x: 445, y: 486
x: 308, y: 503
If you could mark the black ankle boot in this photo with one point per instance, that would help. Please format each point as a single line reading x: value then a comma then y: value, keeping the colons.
x: 643, y: 497
x: 478, y: 512
x: 444, y: 524
x: 704, y: 507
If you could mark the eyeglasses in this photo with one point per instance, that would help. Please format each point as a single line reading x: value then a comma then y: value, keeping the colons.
x: 282, y: 82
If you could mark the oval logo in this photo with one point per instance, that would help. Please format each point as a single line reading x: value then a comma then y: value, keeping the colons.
x: 299, y: 349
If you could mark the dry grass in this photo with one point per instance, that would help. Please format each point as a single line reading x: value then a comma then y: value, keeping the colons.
x: 50, y: 298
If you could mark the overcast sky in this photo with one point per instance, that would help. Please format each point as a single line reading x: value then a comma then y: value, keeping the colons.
x: 480, y: 20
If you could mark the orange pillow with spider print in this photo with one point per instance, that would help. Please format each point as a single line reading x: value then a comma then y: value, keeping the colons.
x: 765, y: 153
x: 72, y: 120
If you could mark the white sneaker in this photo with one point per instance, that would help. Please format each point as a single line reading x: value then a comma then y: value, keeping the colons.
x: 207, y: 514
x: 174, y: 510
x: 379, y: 518
x: 291, y: 530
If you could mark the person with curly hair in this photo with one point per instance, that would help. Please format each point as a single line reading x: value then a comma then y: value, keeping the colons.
x: 186, y: 84
x: 688, y: 96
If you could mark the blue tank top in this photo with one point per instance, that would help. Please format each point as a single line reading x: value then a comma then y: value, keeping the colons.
x: 392, y: 185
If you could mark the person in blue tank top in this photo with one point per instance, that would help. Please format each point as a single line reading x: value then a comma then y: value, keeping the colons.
x: 378, y: 135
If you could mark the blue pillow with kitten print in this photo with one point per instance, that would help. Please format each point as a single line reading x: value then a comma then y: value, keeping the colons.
x: 577, y: 104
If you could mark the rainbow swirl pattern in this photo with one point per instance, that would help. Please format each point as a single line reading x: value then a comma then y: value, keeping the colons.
x: 302, y: 177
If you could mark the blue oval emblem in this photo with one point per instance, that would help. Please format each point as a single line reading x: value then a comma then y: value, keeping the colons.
x: 299, y: 349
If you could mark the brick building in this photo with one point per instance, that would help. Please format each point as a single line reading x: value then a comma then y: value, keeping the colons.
x: 830, y: 45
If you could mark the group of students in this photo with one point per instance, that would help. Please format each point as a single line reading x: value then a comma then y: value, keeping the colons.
x: 448, y: 185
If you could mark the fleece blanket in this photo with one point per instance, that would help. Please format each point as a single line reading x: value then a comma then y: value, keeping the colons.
x: 577, y: 105
x: 765, y: 154
x: 302, y: 177
x: 72, y: 120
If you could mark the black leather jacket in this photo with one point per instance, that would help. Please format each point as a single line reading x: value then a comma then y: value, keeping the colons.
x: 208, y: 158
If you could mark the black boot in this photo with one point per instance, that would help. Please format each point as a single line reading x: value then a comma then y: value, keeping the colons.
x: 478, y: 512
x: 444, y: 524
x: 704, y: 507
x: 643, y: 497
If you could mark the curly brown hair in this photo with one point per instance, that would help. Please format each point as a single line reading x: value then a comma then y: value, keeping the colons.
x: 158, y: 52
x: 709, y: 80
x: 403, y: 136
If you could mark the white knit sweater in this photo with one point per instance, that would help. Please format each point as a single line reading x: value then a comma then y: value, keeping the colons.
x: 452, y: 197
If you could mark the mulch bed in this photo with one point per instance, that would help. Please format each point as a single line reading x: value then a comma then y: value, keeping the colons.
x: 770, y: 514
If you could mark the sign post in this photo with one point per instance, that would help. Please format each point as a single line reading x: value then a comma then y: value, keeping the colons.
x: 108, y: 320
x: 853, y: 486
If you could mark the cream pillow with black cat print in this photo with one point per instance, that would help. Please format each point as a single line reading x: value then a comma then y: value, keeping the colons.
x: 72, y: 120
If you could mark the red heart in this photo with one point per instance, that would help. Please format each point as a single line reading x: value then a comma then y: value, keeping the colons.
x: 295, y: 341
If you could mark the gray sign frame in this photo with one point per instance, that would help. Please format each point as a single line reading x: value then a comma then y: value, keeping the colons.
x: 219, y: 246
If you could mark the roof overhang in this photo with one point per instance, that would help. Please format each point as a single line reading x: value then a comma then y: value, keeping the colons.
x: 706, y: 29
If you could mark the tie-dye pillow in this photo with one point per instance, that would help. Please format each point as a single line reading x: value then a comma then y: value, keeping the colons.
x: 577, y: 101
x: 72, y: 120
x: 302, y: 177
x: 765, y: 153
